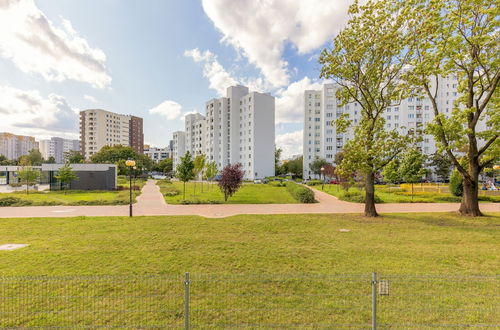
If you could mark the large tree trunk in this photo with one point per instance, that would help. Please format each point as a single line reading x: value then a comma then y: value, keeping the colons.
x: 470, y: 202
x: 370, y: 210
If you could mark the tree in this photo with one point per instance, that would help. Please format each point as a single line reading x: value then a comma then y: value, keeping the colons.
x: 442, y: 165
x: 6, y: 162
x: 27, y: 174
x: 210, y: 171
x: 316, y: 165
x: 412, y: 168
x: 456, y: 184
x: 391, y: 171
x: 295, y: 166
x: 118, y: 155
x: 199, y: 166
x: 50, y: 160
x: 164, y: 166
x: 328, y: 170
x: 366, y: 61
x: 231, y: 180
x: 459, y: 39
x: 65, y: 175
x: 73, y: 157
x: 278, y: 169
x: 184, y: 170
x: 34, y: 157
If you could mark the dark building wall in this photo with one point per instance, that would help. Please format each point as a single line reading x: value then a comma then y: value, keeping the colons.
x: 136, y: 134
x: 95, y: 180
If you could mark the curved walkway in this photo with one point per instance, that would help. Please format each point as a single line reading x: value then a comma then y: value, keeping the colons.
x: 151, y: 202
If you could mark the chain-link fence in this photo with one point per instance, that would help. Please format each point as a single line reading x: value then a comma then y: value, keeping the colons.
x: 251, y: 301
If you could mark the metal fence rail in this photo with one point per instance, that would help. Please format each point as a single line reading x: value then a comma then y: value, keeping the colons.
x: 195, y: 301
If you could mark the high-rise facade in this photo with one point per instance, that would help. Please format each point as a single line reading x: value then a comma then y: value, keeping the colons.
x: 322, y: 109
x: 99, y: 128
x: 14, y: 146
x: 238, y: 128
x: 178, y: 147
x: 56, y: 147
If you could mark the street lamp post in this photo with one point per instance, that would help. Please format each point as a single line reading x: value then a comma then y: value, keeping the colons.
x: 130, y: 164
x: 323, y: 175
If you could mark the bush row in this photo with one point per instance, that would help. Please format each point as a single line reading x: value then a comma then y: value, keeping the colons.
x: 300, y: 193
x: 314, y: 182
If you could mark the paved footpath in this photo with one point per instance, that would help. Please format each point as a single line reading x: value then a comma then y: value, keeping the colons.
x: 151, y: 202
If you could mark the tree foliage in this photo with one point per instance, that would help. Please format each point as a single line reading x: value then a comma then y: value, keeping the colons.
x: 28, y: 175
x: 118, y: 155
x: 460, y: 38
x: 184, y: 170
x: 34, y: 157
x: 164, y: 166
x: 65, y: 175
x: 441, y: 164
x: 73, y: 157
x: 317, y: 164
x: 391, y: 171
x: 366, y: 61
x: 231, y: 180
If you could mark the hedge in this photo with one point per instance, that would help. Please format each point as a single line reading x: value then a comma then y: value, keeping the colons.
x: 314, y: 182
x: 300, y: 193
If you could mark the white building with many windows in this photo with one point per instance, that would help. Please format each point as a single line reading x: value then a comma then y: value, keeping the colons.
x: 56, y: 147
x: 321, y: 109
x: 178, y: 147
x: 157, y: 154
x: 238, y: 128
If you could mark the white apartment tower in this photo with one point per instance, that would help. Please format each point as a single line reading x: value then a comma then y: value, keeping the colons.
x: 238, y: 128
x: 13, y: 146
x: 178, y: 147
x: 56, y: 147
x: 321, y: 109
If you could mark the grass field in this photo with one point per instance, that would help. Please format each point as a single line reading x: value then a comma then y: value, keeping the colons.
x: 252, y: 270
x: 69, y: 197
x: 388, y: 194
x: 249, y: 193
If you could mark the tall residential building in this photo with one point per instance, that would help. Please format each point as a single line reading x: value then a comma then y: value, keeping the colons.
x: 321, y: 109
x: 157, y: 154
x: 238, y: 128
x: 56, y: 147
x: 14, y: 146
x: 178, y: 147
x: 99, y: 128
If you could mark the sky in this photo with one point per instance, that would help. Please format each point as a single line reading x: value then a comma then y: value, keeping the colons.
x: 157, y: 59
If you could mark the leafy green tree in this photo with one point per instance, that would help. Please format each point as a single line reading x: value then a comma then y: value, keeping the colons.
x: 366, y: 61
x: 391, y: 171
x: 441, y: 164
x: 27, y: 174
x: 73, y: 157
x: 6, y: 162
x: 34, y: 157
x: 316, y: 165
x: 210, y: 171
x: 199, y: 166
x: 295, y: 166
x: 65, y: 175
x: 184, y: 170
x: 412, y: 168
x: 278, y: 168
x: 50, y: 160
x: 452, y: 38
x: 164, y: 166
x: 118, y: 155
x: 456, y: 183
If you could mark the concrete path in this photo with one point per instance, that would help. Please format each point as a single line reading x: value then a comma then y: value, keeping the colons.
x: 151, y: 202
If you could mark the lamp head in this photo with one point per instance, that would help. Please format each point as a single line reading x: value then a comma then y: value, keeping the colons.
x: 130, y: 162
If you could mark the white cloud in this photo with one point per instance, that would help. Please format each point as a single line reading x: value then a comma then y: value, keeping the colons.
x: 219, y: 79
x: 29, y: 113
x: 290, y: 101
x: 35, y: 45
x: 90, y: 98
x: 260, y: 29
x: 168, y: 109
x: 290, y: 143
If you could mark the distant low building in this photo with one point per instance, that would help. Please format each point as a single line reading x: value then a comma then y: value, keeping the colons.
x: 157, y: 154
x: 56, y: 147
x: 13, y: 146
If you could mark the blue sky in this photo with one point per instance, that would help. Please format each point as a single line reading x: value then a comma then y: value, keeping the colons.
x: 157, y: 59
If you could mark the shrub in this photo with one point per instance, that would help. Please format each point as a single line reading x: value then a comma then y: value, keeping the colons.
x: 314, y: 182
x: 357, y: 196
x: 163, y: 181
x: 170, y: 190
x: 15, y: 184
x: 276, y: 184
x: 300, y: 193
x: 456, y: 183
x: 13, y: 201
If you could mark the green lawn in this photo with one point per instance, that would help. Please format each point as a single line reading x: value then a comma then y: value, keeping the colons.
x: 251, y: 270
x: 387, y: 194
x: 249, y: 193
x: 70, y: 197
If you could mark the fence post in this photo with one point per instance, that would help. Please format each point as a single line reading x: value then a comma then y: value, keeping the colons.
x: 186, y: 302
x: 374, y: 301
